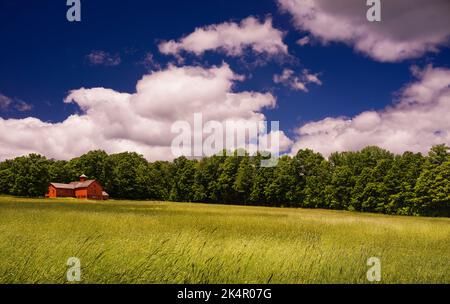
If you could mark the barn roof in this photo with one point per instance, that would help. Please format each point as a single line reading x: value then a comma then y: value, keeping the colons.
x: 82, y: 184
x: 62, y: 186
x: 73, y: 185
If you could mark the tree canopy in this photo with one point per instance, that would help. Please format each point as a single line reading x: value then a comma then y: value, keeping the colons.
x: 371, y: 180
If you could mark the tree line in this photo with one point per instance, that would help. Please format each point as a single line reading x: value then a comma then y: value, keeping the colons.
x: 370, y: 180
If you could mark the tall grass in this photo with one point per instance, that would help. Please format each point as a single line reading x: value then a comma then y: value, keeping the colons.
x: 157, y: 242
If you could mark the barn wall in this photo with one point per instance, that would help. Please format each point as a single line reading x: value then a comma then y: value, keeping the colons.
x: 95, y: 191
x: 52, y: 192
x: 81, y: 193
x: 65, y: 193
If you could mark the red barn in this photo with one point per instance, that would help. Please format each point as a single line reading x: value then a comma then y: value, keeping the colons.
x: 84, y: 189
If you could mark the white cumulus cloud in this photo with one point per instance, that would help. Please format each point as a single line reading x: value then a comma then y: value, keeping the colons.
x: 297, y: 82
x: 103, y: 58
x: 141, y: 121
x: 409, y: 28
x: 416, y: 121
x: 231, y: 38
x: 304, y: 41
x: 8, y: 104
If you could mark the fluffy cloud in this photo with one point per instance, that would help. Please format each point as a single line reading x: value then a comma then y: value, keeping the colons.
x: 298, y: 83
x: 149, y: 62
x: 303, y: 41
x: 418, y: 120
x: 103, y: 58
x: 139, y: 122
x: 7, y: 103
x: 409, y: 28
x: 231, y: 38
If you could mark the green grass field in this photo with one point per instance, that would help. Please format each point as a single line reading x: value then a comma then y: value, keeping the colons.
x: 158, y: 242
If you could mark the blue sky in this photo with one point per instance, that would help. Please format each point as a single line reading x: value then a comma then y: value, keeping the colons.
x: 43, y: 57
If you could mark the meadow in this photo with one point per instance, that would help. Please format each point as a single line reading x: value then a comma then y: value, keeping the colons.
x: 162, y: 242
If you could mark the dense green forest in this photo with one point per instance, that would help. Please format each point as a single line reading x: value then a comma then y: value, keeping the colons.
x: 372, y: 180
